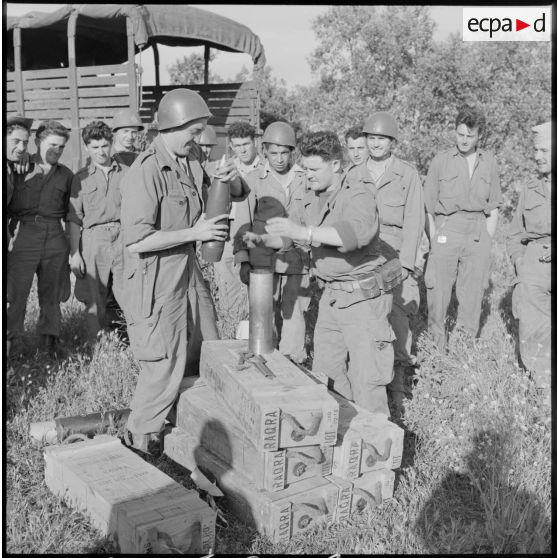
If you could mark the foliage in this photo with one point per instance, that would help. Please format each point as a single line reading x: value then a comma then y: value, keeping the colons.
x: 190, y: 69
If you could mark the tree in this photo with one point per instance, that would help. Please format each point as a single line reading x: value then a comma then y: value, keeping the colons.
x: 190, y: 70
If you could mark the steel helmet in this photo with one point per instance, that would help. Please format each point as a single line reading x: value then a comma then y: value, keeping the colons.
x: 180, y: 106
x: 208, y: 136
x: 126, y: 118
x: 279, y: 133
x: 382, y: 124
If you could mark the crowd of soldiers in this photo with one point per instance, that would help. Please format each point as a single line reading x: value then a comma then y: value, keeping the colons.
x: 357, y: 231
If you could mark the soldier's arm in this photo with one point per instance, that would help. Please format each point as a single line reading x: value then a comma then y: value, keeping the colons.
x: 74, y: 222
x: 517, y: 231
x: 494, y: 200
x: 413, y: 223
x: 431, y: 192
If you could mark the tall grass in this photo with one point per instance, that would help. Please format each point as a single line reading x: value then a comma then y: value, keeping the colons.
x: 476, y: 472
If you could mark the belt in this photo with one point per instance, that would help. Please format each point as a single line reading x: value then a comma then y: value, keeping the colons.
x: 392, y: 229
x: 180, y: 249
x: 38, y: 219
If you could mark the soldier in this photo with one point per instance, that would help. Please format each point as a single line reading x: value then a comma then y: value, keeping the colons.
x: 242, y: 139
x: 462, y: 196
x: 340, y: 223
x: 274, y: 189
x: 126, y: 125
x: 17, y: 138
x: 529, y: 246
x: 94, y: 223
x: 38, y: 205
x: 161, y: 222
x: 207, y: 141
x: 356, y: 145
x: 399, y: 198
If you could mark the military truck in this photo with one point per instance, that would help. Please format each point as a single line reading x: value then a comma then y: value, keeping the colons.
x: 79, y: 63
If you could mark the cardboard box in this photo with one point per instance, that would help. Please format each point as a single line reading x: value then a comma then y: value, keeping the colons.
x: 287, y: 410
x: 143, y: 509
x: 201, y: 413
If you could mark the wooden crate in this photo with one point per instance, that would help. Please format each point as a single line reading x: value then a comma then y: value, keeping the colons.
x: 200, y: 412
x: 288, y: 410
x: 366, y: 442
x: 278, y: 515
x: 143, y: 509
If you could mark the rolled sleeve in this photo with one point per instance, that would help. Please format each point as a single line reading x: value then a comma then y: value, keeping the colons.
x: 360, y: 219
x: 75, y: 204
x: 140, y: 203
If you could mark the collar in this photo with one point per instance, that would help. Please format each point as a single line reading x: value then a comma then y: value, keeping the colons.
x: 114, y: 165
x: 454, y: 151
x: 247, y: 168
x: 164, y: 157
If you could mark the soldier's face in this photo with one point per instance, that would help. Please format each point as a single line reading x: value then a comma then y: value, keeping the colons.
x: 356, y: 148
x: 466, y: 139
x: 51, y: 148
x: 379, y: 147
x: 543, y: 156
x: 244, y: 149
x: 179, y: 141
x: 125, y: 138
x: 279, y: 157
x: 99, y: 151
x: 16, y: 144
x: 207, y: 149
x: 320, y: 174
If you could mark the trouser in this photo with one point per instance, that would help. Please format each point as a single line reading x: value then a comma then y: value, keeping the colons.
x: 233, y: 297
x: 38, y: 247
x: 202, y: 320
x: 291, y: 298
x: 460, y: 255
x: 361, y: 332
x: 102, y: 257
x: 159, y: 337
x: 531, y: 303
x: 406, y: 301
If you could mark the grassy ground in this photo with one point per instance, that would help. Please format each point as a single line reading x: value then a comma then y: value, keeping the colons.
x: 476, y: 472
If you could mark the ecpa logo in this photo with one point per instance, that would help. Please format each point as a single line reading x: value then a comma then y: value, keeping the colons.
x: 512, y: 23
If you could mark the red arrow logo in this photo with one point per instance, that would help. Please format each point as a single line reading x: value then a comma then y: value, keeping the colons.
x: 519, y: 25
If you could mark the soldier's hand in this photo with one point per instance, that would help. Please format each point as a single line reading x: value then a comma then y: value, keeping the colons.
x: 22, y: 166
x: 280, y: 226
x: 251, y: 239
x: 547, y: 254
x: 209, y: 229
x: 77, y: 265
x: 226, y: 171
x: 244, y: 273
x: 404, y: 273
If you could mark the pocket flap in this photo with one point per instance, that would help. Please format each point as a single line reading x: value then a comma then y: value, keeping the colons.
x: 146, y: 338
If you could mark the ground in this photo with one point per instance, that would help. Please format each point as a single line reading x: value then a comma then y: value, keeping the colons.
x: 476, y: 471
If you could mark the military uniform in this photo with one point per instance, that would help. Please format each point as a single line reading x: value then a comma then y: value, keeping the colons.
x: 354, y: 308
x: 95, y: 206
x: 460, y: 251
x: 38, y: 205
x: 268, y: 198
x: 400, y: 203
x: 530, y: 239
x: 158, y: 193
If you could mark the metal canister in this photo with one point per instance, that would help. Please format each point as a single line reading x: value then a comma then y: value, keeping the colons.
x: 260, y: 299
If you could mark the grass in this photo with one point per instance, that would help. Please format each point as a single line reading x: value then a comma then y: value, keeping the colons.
x: 476, y: 471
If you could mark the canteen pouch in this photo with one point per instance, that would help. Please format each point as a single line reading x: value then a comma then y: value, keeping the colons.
x: 369, y: 286
x: 389, y: 275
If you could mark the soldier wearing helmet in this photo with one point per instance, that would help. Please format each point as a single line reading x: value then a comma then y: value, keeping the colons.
x: 207, y: 141
x: 274, y: 189
x: 529, y: 247
x: 125, y: 126
x: 399, y: 198
x: 162, y: 219
x: 462, y: 196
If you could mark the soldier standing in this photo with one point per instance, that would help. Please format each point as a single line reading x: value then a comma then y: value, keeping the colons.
x: 94, y: 227
x: 126, y: 126
x: 355, y: 141
x: 274, y: 190
x: 161, y: 222
x: 340, y: 223
x: 462, y: 196
x: 17, y: 139
x: 38, y: 205
x: 399, y: 198
x: 529, y: 246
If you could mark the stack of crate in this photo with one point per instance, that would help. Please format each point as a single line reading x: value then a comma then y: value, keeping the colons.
x: 280, y: 445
